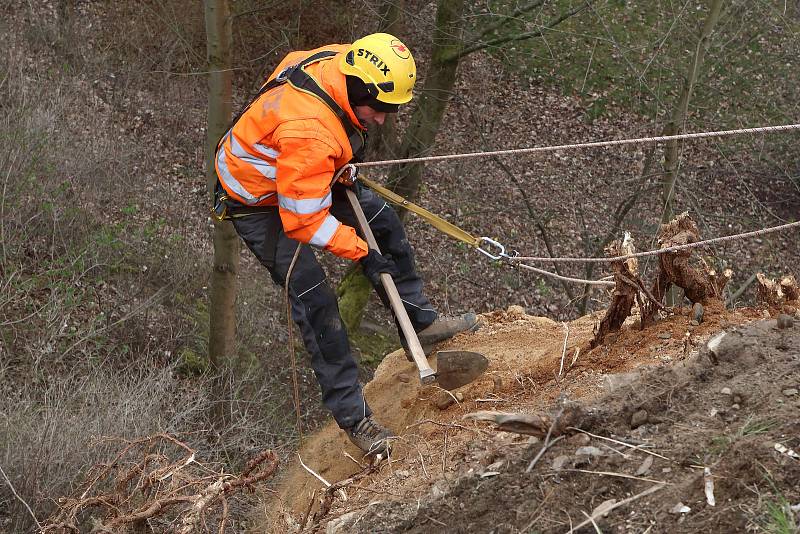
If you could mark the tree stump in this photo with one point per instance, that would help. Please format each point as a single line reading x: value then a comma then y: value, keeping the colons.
x: 699, y: 284
x: 625, y: 293
x: 779, y: 297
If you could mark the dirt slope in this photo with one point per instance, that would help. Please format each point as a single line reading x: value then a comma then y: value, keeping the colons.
x: 437, y: 466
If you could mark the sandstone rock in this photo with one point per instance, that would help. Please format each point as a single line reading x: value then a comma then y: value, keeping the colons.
x: 341, y: 523
x: 697, y: 313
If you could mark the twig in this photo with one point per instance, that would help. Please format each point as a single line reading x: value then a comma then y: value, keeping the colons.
x: 564, y: 350
x: 541, y: 452
x: 636, y: 447
x: 444, y: 456
x: 20, y: 499
x: 308, y: 510
x: 596, y: 528
x: 613, y: 474
x: 623, y: 502
x: 574, y: 358
x: 449, y: 425
x: 435, y: 521
x: 313, y: 473
x: 546, y: 441
x: 449, y: 393
x: 348, y: 455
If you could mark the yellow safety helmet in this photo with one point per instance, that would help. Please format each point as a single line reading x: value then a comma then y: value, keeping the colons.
x: 385, y: 66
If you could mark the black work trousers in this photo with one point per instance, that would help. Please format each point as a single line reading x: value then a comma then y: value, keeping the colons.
x: 314, y: 305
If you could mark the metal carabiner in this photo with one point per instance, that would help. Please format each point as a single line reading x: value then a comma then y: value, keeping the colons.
x: 500, y: 255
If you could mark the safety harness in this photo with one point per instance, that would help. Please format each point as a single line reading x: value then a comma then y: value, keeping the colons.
x: 299, y: 79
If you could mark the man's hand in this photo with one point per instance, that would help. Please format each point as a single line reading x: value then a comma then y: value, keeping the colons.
x: 374, y: 263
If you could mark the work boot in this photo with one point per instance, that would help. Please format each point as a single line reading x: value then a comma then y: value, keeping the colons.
x: 370, y: 436
x: 443, y: 328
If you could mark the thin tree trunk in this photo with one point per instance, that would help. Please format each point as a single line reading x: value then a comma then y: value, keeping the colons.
x: 383, y: 143
x: 222, y: 315
x: 354, y: 289
x: 435, y: 94
x: 678, y: 120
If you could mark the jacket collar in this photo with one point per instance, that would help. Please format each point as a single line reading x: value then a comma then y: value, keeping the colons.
x: 333, y: 81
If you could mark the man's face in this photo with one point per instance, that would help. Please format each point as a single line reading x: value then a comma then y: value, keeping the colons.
x: 368, y: 116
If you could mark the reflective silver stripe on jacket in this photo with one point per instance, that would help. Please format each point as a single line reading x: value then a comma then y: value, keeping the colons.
x: 232, y: 183
x: 323, y: 236
x: 305, y: 206
x: 267, y: 151
x: 262, y: 166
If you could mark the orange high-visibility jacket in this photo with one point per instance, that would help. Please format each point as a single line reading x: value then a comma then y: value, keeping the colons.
x: 284, y: 150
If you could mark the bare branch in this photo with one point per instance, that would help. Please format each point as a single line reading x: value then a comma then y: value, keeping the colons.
x: 481, y: 45
x: 502, y: 19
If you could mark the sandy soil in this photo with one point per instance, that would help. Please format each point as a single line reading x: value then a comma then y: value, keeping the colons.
x: 437, y: 467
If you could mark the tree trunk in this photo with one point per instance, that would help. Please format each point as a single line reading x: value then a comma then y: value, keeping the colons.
x: 222, y: 314
x: 678, y: 120
x: 435, y: 94
x: 354, y: 289
x: 383, y: 143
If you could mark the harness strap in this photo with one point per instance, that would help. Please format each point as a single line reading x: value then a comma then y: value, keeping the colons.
x: 433, y: 219
x: 302, y: 81
x: 298, y: 78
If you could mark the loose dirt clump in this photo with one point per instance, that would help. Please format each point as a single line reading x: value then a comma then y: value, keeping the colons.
x: 730, y: 417
x: 655, y: 388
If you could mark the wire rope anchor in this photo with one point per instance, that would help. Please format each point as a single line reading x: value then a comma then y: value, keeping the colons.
x: 501, y: 254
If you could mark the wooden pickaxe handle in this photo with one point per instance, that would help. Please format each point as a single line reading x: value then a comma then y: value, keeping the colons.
x: 426, y: 374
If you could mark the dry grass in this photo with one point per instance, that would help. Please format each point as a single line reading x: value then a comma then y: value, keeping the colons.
x: 102, y: 254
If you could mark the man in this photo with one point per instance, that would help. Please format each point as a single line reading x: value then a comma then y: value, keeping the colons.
x: 276, y: 166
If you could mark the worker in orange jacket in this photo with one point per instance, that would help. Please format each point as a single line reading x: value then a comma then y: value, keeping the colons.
x: 276, y: 165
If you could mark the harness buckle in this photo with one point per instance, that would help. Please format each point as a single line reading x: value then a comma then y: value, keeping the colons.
x: 284, y: 74
x: 220, y: 210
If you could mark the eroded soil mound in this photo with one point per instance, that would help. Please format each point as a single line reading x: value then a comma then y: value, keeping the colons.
x: 657, y: 389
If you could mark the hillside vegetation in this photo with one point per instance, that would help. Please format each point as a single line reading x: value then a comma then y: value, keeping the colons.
x: 105, y: 235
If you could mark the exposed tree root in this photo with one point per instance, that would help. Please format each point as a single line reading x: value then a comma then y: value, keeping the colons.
x: 145, y: 482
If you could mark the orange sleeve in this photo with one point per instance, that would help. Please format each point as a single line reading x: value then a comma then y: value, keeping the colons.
x: 305, y: 167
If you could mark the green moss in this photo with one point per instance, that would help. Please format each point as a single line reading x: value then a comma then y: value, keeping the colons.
x: 373, y: 346
x: 193, y: 363
x: 353, y: 293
